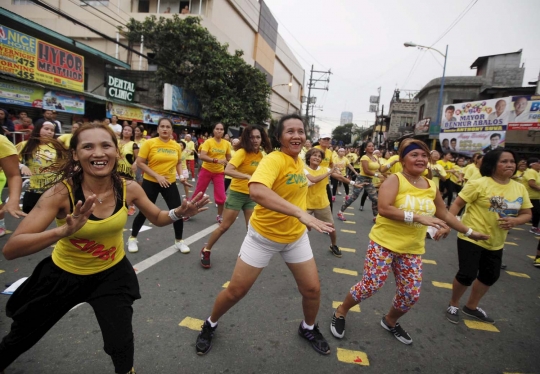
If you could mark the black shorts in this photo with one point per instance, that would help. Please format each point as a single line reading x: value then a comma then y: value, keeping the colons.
x: 477, y: 262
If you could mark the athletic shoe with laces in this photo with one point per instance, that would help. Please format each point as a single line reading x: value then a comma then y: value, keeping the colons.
x: 341, y: 216
x: 452, y: 314
x: 2, y: 231
x: 535, y: 231
x: 219, y: 219
x: 181, y: 246
x: 478, y: 314
x: 318, y: 342
x: 335, y: 250
x: 347, y: 197
x: 204, y: 339
x: 333, y: 198
x: 132, y: 245
x: 337, y: 327
x: 397, y: 331
x: 205, y: 258
x: 193, y: 179
x: 536, y: 262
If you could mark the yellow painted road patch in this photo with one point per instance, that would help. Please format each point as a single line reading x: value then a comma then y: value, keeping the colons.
x: 349, y: 231
x: 350, y: 222
x: 348, y: 214
x: 226, y: 284
x: 2, y: 271
x: 477, y: 325
x: 350, y: 207
x: 529, y: 256
x: 345, y: 271
x: 355, y: 308
x: 442, y: 285
x: 520, y: 275
x: 352, y: 357
x: 348, y: 250
x: 424, y: 261
x: 192, y: 323
x: 510, y: 243
x: 518, y: 228
x: 528, y: 223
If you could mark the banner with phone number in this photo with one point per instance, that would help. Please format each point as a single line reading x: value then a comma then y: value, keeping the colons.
x: 32, y: 59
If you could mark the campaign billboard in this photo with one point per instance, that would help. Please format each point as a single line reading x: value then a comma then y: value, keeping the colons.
x: 63, y: 102
x: 32, y: 59
x: 476, y: 126
x: 524, y: 113
x: 18, y: 94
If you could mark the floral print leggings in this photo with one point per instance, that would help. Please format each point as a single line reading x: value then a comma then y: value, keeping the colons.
x: 407, y: 269
x: 372, y: 194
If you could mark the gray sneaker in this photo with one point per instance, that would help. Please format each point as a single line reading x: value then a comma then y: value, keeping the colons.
x: 478, y: 314
x: 452, y: 314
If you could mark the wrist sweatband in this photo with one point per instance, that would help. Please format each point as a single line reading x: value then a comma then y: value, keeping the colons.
x: 468, y: 233
x: 352, y: 183
x: 173, y: 216
x: 408, y: 216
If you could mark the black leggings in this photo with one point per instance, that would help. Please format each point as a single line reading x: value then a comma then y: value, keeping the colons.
x: 329, y: 195
x: 335, y: 183
x: 172, y: 199
x: 363, y: 199
x: 535, y: 212
x: 50, y: 292
x: 30, y: 200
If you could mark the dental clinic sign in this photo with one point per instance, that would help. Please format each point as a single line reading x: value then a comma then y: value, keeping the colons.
x: 120, y: 89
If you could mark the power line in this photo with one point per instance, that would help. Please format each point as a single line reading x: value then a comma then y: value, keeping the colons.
x: 435, y: 57
x: 456, y: 21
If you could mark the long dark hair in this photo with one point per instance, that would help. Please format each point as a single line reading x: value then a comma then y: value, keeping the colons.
x: 35, y: 140
x: 247, y: 145
x: 490, y: 160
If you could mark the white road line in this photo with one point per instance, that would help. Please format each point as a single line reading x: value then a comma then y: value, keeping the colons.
x: 151, y: 261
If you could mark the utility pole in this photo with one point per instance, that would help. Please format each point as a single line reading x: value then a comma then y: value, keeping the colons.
x: 323, y: 76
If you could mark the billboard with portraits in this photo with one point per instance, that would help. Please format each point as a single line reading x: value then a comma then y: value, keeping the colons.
x: 524, y: 113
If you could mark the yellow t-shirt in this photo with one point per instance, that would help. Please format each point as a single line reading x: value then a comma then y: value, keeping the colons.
x: 140, y: 142
x: 6, y: 147
x: 245, y: 163
x: 447, y: 165
x: 373, y: 166
x: 43, y: 157
x: 216, y: 150
x: 97, y: 246
x: 124, y: 166
x: 190, y: 146
x: 162, y: 157
x: 341, y: 163
x: 455, y: 177
x: 488, y: 200
x: 316, y: 196
x: 352, y: 157
x: 400, y: 236
x: 326, y: 162
x: 65, y: 139
x: 531, y: 174
x: 437, y: 171
x: 285, y: 176
x: 183, y: 158
x: 397, y: 167
x: 472, y: 173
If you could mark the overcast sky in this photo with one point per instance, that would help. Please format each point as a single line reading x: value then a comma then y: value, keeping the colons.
x: 362, y: 42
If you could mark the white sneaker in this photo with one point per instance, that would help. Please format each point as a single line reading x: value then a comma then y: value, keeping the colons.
x: 132, y: 245
x: 193, y: 179
x: 182, y: 247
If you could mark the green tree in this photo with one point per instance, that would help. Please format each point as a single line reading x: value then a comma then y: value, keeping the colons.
x: 229, y: 90
x: 343, y: 133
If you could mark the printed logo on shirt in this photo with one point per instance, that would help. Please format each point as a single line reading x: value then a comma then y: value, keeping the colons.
x: 254, y: 163
x: 297, y: 179
x: 167, y: 151
x: 217, y: 150
x: 420, y: 206
x: 95, y: 249
x: 505, y: 208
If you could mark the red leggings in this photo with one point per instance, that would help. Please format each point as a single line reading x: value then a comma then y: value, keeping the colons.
x: 218, y: 179
x: 191, y: 167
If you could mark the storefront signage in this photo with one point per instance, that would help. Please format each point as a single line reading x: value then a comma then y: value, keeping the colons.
x: 119, y: 88
x: 18, y: 94
x: 30, y: 58
x: 63, y: 102
x: 524, y: 113
x: 179, y: 100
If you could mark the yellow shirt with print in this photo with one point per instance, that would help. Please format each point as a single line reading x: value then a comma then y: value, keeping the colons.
x: 285, y: 176
x: 531, y: 174
x: 162, y: 157
x: 6, y: 147
x: 218, y: 151
x: 352, y: 157
x: 437, y: 171
x: 65, y: 139
x: 316, y: 196
x: 326, y: 162
x: 42, y: 158
x: 373, y: 166
x: 487, y: 201
x: 341, y: 163
x: 401, y: 236
x: 245, y: 163
x: 190, y: 146
x: 124, y: 166
x: 472, y: 173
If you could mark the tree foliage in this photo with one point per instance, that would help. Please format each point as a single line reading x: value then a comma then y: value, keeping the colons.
x: 229, y: 90
x: 343, y: 133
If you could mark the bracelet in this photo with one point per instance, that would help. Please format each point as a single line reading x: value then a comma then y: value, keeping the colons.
x: 376, y: 175
x: 408, y: 216
x: 468, y: 233
x: 388, y: 166
x: 173, y: 216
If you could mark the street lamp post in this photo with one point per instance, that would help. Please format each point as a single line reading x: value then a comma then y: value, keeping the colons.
x: 437, y: 124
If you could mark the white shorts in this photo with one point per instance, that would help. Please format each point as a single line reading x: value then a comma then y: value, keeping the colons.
x: 256, y: 250
x: 185, y: 174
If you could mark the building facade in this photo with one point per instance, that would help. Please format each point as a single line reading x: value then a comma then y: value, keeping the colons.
x: 346, y: 117
x: 246, y: 25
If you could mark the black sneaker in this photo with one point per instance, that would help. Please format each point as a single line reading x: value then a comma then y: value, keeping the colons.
x: 398, y: 331
x: 452, y: 314
x: 478, y: 314
x: 335, y: 250
x: 337, y: 327
x: 205, y: 258
x: 204, y: 340
x: 318, y: 342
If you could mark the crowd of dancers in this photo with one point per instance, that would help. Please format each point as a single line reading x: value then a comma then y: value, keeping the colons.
x: 89, y: 181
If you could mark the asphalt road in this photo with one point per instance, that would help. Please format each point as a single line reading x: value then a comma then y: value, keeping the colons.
x: 259, y: 335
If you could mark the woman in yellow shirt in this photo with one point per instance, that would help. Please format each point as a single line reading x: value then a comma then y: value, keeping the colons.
x: 278, y: 225
x: 129, y: 150
x: 66, y: 138
x: 494, y: 204
x: 408, y: 204
x: 241, y: 167
x: 88, y: 263
x: 139, y: 139
x: 9, y: 166
x: 215, y: 154
x: 531, y: 181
